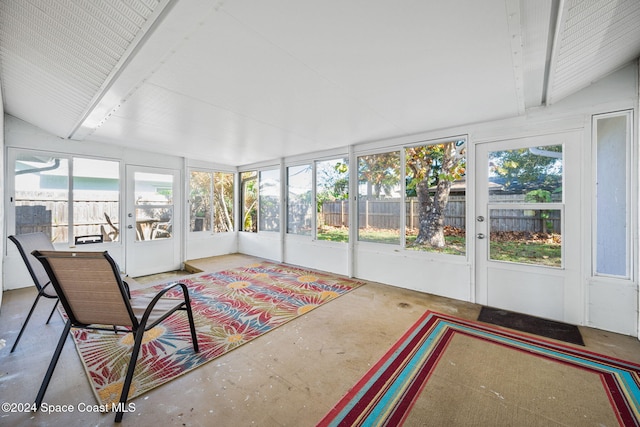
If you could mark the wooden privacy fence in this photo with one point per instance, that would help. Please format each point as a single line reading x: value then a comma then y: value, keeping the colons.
x: 52, y: 217
x: 385, y: 214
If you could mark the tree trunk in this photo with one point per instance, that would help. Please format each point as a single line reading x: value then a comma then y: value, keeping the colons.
x: 431, y: 213
x: 225, y: 212
x: 431, y: 210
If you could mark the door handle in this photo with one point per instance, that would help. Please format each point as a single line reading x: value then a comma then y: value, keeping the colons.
x: 480, y: 236
x: 129, y: 226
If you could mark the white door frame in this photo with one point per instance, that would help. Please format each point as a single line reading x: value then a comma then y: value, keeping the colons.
x: 149, y: 256
x: 550, y: 292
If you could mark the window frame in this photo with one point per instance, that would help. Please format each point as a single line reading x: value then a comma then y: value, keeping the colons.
x: 212, y: 211
x: 401, y: 245
x: 629, y: 200
x: 331, y: 158
x: 14, y: 153
x: 276, y: 170
x: 310, y: 165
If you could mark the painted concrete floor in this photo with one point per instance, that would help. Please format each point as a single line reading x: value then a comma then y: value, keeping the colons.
x: 291, y: 376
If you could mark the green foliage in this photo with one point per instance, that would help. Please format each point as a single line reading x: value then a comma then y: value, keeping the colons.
x: 538, y: 196
x: 248, y: 182
x: 381, y: 173
x: 433, y: 163
x: 333, y: 183
x: 524, y: 166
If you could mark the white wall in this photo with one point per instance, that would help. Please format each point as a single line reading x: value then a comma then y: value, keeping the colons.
x: 320, y: 255
x: 262, y: 244
x: 4, y: 179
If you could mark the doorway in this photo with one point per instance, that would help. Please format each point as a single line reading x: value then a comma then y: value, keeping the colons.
x: 151, y: 221
x: 527, y: 239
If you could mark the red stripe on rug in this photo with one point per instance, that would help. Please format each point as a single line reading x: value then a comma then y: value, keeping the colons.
x: 371, y: 373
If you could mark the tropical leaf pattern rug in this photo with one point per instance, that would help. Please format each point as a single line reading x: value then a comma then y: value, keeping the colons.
x: 230, y: 308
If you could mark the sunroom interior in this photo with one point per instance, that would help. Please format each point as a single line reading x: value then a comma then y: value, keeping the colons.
x: 204, y: 128
x: 233, y: 119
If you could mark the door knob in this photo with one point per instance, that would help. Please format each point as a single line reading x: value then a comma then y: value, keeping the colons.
x: 480, y: 218
x: 129, y: 226
x: 480, y: 236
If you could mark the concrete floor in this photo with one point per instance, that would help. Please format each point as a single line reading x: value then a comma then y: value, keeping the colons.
x: 290, y: 376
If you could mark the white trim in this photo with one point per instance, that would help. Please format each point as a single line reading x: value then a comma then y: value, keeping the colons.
x: 628, y: 114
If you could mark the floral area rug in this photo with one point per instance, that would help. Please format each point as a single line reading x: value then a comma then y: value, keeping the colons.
x: 230, y: 308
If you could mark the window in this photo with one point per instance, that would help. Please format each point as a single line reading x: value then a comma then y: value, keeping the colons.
x: 332, y: 196
x: 153, y: 194
x: 249, y: 196
x: 612, y: 140
x: 211, y: 202
x: 379, y: 198
x: 41, y: 196
x: 96, y: 195
x: 269, y: 200
x: 526, y: 205
x: 200, y: 201
x: 71, y: 199
x: 299, y: 185
x: 414, y: 198
x: 435, y: 193
x: 223, y: 202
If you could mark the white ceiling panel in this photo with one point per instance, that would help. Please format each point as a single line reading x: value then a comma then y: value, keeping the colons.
x: 163, y: 121
x: 413, y: 62
x: 244, y: 81
x: 56, y: 56
x: 595, y: 38
x: 329, y: 74
x: 538, y: 21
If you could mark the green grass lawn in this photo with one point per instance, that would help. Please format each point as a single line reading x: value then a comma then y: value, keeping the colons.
x: 530, y: 252
x: 526, y: 252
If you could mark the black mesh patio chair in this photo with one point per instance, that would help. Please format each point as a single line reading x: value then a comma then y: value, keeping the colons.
x: 26, y: 244
x: 94, y: 296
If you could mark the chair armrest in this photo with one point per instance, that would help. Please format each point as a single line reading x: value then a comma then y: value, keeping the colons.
x: 157, y: 297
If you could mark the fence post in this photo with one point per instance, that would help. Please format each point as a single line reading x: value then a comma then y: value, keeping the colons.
x: 411, y: 213
x: 366, y: 213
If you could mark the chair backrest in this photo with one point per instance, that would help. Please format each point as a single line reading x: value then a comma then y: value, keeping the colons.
x: 27, y: 243
x: 89, y: 287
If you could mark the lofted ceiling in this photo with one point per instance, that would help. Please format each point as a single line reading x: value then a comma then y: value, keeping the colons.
x: 243, y: 81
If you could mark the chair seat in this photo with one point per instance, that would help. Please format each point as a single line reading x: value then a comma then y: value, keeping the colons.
x: 139, y: 305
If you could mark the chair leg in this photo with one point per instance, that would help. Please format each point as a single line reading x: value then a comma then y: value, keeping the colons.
x: 130, y: 369
x: 52, y: 311
x: 24, y: 325
x: 192, y: 326
x: 52, y: 364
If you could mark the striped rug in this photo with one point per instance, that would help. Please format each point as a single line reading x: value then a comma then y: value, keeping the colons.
x: 450, y: 371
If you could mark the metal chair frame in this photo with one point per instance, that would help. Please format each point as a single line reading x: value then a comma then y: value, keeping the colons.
x: 38, y: 275
x: 136, y: 326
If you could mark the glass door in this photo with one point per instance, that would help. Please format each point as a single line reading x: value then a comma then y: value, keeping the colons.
x: 152, y: 214
x: 527, y: 226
